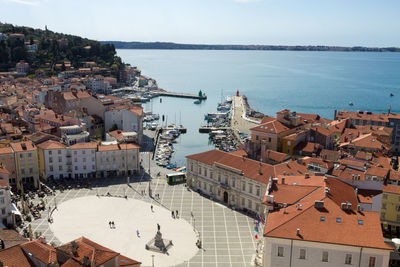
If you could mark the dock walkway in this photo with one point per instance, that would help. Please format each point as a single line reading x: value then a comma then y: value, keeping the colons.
x: 182, y: 95
x: 239, y: 121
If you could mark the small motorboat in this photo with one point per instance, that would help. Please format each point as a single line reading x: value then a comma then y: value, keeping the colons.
x: 391, y: 94
x: 197, y: 102
x: 351, y: 103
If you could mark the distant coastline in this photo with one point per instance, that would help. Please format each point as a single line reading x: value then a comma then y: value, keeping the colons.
x: 168, y: 45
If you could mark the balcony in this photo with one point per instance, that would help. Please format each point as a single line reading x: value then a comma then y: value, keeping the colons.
x: 225, y: 185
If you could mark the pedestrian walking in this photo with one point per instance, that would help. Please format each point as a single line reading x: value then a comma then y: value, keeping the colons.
x: 177, y: 214
x: 109, y: 223
x: 137, y: 233
x: 191, y: 213
x: 151, y: 208
x: 113, y: 225
x: 173, y: 214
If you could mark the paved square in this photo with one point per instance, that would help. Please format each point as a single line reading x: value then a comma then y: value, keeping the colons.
x: 227, y: 235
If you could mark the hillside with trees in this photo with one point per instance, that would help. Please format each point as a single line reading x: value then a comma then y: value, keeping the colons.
x: 44, y: 49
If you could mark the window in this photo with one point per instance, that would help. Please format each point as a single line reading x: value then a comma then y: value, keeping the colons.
x: 59, y: 152
x: 249, y: 204
x: 322, y: 218
x: 199, y: 170
x: 59, y: 159
x: 384, y: 196
x: 383, y: 205
x: 233, y: 182
x: 348, y: 259
x: 398, y: 208
x: 60, y: 168
x: 338, y: 220
x: 398, y: 218
x: 30, y: 155
x: 243, y: 201
x: 280, y: 251
x: 30, y: 170
x: 84, y: 159
x: 50, y: 159
x: 233, y: 198
x: 191, y: 167
x: 205, y: 172
x: 258, y: 191
x: 269, y: 139
x: 50, y: 152
x: 2, y: 200
x: 75, y: 160
x: 83, y: 151
x: 325, y: 256
x: 371, y: 262
x: 219, y: 177
x: 360, y: 222
x: 250, y: 188
x: 3, y: 211
x: 257, y: 207
x: 211, y: 174
x: 23, y: 171
x: 383, y: 215
x: 84, y: 167
x: 205, y: 186
x: 51, y: 168
x: 302, y: 255
x: 20, y: 156
x: 76, y: 168
x: 75, y: 152
x: 210, y: 187
x: 243, y: 186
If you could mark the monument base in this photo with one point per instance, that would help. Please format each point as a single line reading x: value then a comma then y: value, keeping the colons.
x: 158, y: 244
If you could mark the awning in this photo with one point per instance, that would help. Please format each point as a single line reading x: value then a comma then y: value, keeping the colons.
x: 15, y: 210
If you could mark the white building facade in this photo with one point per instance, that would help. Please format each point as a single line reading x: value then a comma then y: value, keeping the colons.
x: 83, y: 159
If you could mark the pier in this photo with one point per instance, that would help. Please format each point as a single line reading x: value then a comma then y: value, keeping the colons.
x: 182, y: 95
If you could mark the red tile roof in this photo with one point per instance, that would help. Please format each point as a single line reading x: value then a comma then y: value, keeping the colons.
x: 350, y: 230
x: 276, y: 156
x: 23, y: 146
x: 393, y: 189
x: 85, y: 247
x: 14, y: 257
x: 51, y: 144
x: 44, y: 252
x: 272, y: 127
x: 88, y: 145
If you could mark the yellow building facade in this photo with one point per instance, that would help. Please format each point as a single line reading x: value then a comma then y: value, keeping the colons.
x: 390, y: 210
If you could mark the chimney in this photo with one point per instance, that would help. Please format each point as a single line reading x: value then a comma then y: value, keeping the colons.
x: 298, y: 232
x: 259, y: 169
x: 319, y: 204
x: 306, y: 175
x: 74, y: 248
x: 283, y: 180
x: 343, y: 206
x: 42, y: 239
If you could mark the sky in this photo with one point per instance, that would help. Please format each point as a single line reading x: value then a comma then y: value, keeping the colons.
x: 276, y: 22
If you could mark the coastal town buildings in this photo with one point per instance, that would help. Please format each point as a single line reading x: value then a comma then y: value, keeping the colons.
x: 390, y: 210
x: 80, y: 252
x: 117, y: 159
x: 7, y: 218
x: 317, y: 221
x: 26, y: 164
x: 237, y: 181
x: 82, y: 157
x: 52, y: 156
x: 365, y: 118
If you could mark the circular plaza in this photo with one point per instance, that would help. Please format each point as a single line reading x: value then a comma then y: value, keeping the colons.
x: 135, y: 224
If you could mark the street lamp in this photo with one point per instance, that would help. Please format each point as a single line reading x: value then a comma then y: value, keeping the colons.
x: 152, y: 260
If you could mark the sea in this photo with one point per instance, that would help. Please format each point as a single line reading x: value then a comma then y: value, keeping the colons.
x: 302, y: 81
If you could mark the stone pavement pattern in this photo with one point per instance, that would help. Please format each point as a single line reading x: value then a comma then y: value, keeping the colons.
x: 227, y: 235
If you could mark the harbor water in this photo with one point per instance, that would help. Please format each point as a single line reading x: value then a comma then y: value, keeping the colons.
x: 312, y: 82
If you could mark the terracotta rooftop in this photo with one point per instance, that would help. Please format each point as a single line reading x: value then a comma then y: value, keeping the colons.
x: 88, y: 145
x: 50, y: 144
x: 23, y: 146
x: 14, y: 257
x: 85, y: 247
x: 44, y: 252
x: 393, y: 189
x: 276, y: 156
x: 330, y: 224
x: 272, y: 127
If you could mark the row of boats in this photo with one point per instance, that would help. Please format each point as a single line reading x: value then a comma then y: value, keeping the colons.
x: 165, y: 147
